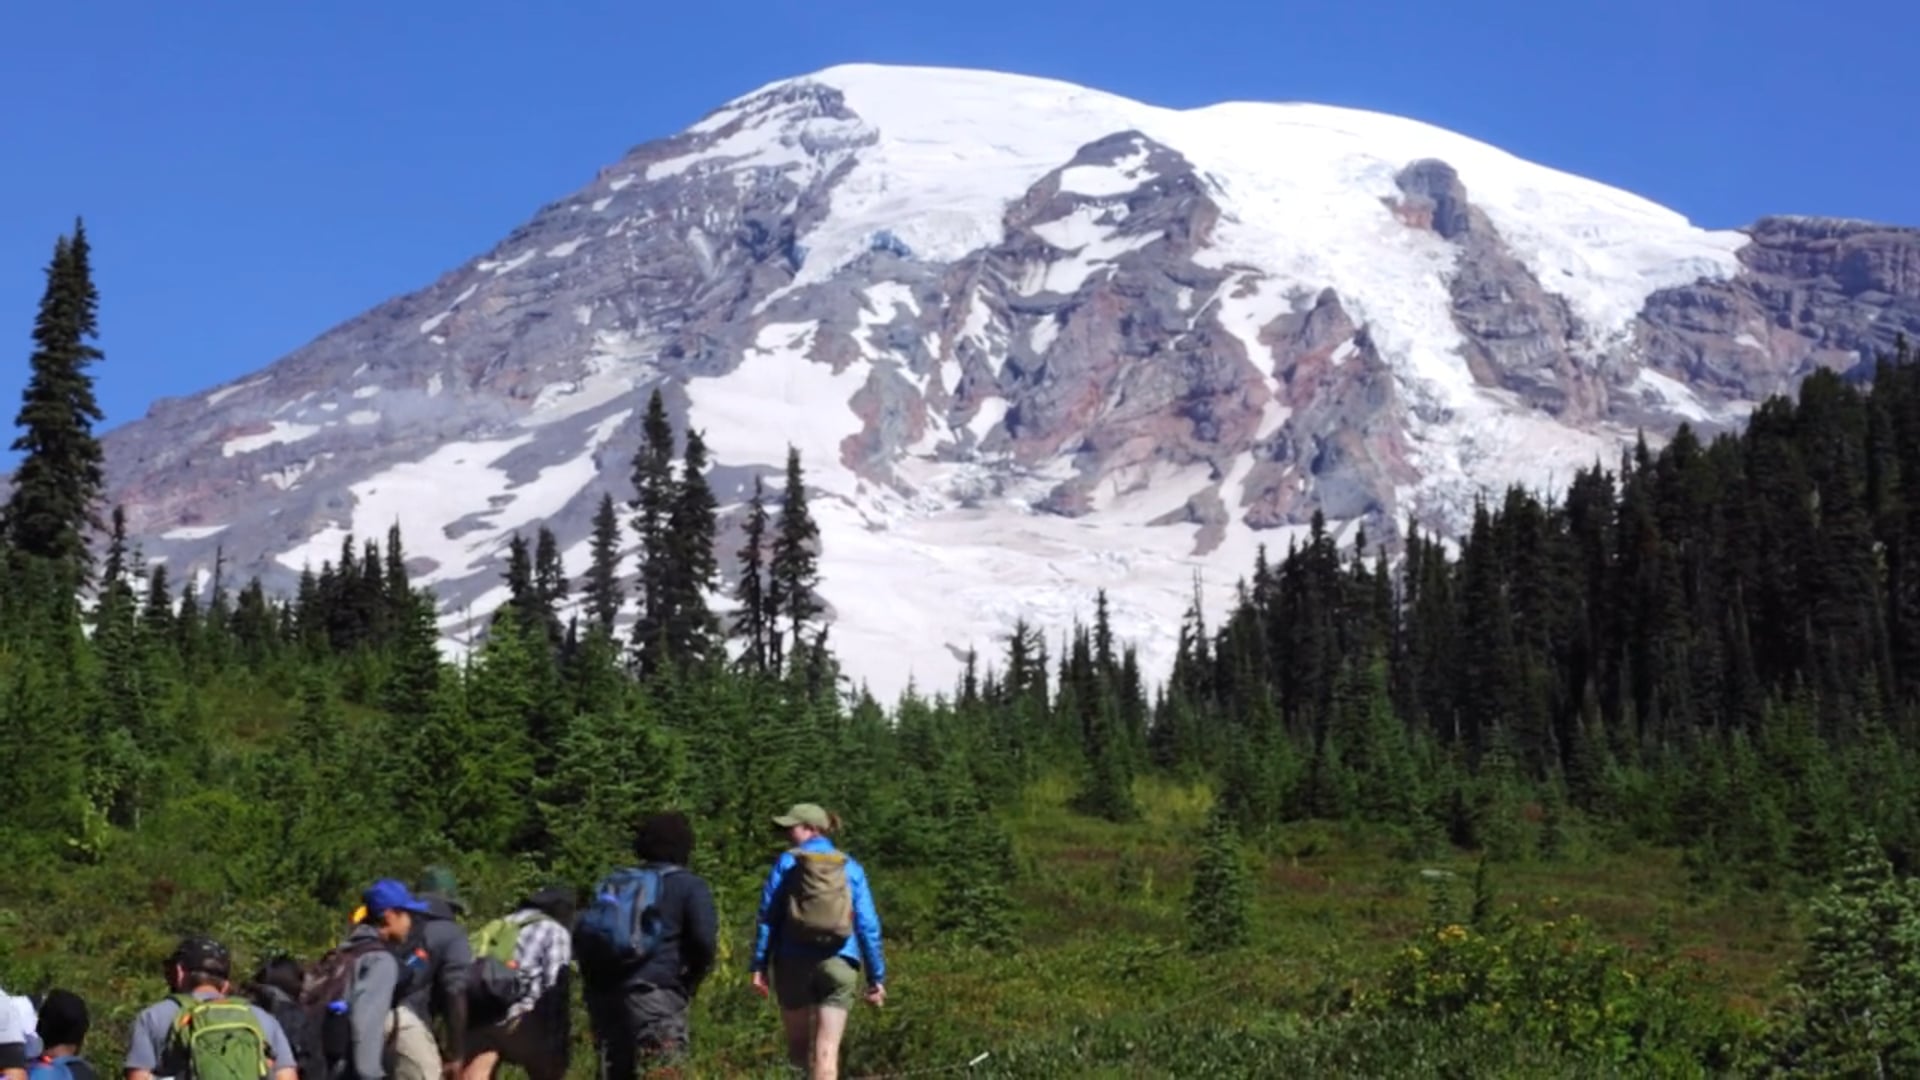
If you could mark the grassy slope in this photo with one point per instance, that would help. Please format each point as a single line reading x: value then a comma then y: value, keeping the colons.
x: 1101, y: 960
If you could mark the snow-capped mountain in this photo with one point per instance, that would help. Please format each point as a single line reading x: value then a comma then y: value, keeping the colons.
x: 1031, y: 340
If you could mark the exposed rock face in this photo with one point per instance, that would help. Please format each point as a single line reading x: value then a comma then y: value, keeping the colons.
x: 1030, y: 340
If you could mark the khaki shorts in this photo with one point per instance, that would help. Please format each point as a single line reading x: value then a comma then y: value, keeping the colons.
x: 413, y: 1055
x: 802, y: 983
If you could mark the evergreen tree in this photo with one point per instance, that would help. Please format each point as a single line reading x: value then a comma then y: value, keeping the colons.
x: 793, y: 570
x: 653, y: 496
x: 754, y: 619
x: 1217, y: 907
x: 602, y: 589
x: 691, y: 570
x: 57, y: 486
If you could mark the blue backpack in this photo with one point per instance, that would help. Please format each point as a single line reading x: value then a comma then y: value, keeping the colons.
x: 620, y: 929
x: 50, y: 1068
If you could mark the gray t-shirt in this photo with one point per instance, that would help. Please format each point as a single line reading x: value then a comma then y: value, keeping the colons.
x: 13, y: 1051
x: 147, y: 1046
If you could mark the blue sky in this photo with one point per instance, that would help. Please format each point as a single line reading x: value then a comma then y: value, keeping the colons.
x: 254, y: 173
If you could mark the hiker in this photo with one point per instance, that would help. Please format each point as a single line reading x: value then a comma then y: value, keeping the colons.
x: 20, y: 1012
x: 276, y: 987
x: 644, y: 945
x: 13, y: 1041
x: 63, y: 1027
x: 442, y: 995
x: 820, y: 928
x: 198, y: 1031
x: 518, y: 987
x: 364, y: 981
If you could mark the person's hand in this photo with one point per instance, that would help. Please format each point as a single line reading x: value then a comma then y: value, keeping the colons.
x: 760, y: 983
x: 877, y: 995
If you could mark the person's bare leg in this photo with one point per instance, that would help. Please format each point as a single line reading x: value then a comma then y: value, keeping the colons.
x: 828, y: 1026
x: 480, y: 1066
x: 799, y: 1025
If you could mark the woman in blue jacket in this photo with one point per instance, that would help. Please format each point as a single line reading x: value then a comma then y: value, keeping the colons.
x: 815, y: 984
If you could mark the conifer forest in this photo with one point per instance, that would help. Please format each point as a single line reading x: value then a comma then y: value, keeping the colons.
x: 1624, y: 781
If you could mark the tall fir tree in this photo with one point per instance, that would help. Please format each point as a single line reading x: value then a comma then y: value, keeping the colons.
x: 753, y: 621
x: 57, y: 487
x: 794, y: 569
x: 691, y: 566
x: 602, y: 587
x: 653, y: 492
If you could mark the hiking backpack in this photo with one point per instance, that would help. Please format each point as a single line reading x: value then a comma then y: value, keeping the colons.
x: 48, y: 1067
x: 819, y: 900
x: 495, y: 981
x: 219, y: 1039
x: 323, y: 999
x: 620, y: 929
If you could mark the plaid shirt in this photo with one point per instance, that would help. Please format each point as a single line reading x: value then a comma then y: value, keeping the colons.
x: 541, y: 955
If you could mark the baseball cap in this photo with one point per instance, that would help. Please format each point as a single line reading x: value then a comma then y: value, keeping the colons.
x: 388, y: 894
x: 805, y: 813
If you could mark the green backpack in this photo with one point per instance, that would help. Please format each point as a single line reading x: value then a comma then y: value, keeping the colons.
x: 495, y: 981
x: 220, y: 1039
x: 819, y: 900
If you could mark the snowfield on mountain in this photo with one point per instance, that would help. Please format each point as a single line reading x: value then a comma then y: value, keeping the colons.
x: 1031, y: 340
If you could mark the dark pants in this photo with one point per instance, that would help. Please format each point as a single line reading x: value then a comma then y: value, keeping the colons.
x: 642, y: 1025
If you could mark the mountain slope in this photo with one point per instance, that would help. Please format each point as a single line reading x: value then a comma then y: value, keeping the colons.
x: 1032, y: 340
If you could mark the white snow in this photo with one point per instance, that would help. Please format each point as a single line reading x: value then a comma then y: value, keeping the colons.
x: 616, y: 362
x: 281, y: 432
x: 223, y: 394
x: 780, y: 396
x: 287, y: 476
x: 432, y: 323
x: 451, y: 483
x: 1677, y: 396
x: 1104, y: 181
x: 565, y: 248
x: 1040, y: 338
x: 987, y: 417
x: 1747, y: 340
x: 1088, y: 245
x: 366, y: 392
x: 435, y: 383
x: 514, y: 263
x: 466, y: 294
x: 620, y: 182
x: 602, y: 203
x: 193, y: 532
x: 363, y: 417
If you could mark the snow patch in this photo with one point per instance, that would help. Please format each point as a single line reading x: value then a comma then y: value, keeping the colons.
x: 987, y: 417
x: 619, y: 183
x: 193, y: 532
x: 514, y: 263
x: 429, y: 325
x: 435, y: 383
x: 1041, y: 337
x: 565, y: 248
x: 223, y: 394
x: 1678, y: 398
x: 602, y: 203
x: 366, y: 392
x: 1105, y: 181
x: 778, y: 396
x: 363, y: 417
x: 281, y: 432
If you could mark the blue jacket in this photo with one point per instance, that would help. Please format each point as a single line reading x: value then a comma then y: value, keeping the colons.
x: 862, y: 949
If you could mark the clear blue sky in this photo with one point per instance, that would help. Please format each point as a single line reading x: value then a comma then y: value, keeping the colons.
x: 254, y: 172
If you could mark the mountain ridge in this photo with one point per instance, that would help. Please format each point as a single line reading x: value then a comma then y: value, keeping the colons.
x: 1032, y: 342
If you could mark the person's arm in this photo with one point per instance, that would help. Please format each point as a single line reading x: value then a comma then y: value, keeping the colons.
x: 866, y: 927
x: 149, y: 1034
x: 285, y: 1065
x: 453, y: 985
x: 542, y: 955
x: 699, y: 934
x: 769, y: 897
x: 368, y: 1004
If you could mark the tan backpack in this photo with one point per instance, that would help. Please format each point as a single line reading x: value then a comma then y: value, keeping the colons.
x: 819, y: 900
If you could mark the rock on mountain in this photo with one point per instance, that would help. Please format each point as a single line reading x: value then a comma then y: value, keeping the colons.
x: 1031, y: 339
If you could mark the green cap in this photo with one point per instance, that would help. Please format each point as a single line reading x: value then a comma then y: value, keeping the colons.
x: 438, y: 881
x: 805, y: 813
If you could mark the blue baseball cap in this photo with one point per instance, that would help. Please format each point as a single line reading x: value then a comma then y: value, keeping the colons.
x: 388, y: 894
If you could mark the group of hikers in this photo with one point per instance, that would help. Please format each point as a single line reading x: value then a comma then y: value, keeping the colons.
x: 641, y: 945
